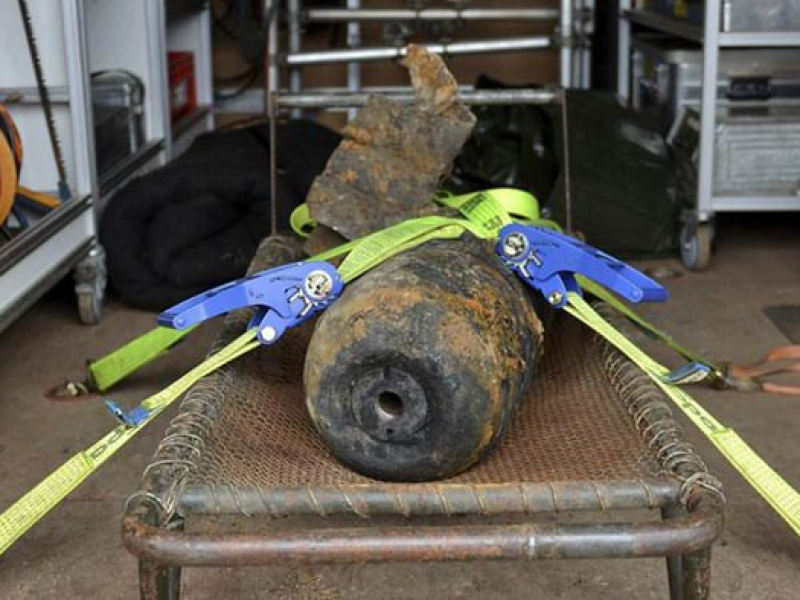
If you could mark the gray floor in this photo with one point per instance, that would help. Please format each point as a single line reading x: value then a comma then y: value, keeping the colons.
x: 76, y: 552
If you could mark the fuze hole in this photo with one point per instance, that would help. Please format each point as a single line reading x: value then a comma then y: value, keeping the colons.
x: 390, y: 404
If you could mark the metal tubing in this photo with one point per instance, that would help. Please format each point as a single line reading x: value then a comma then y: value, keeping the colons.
x: 357, y: 545
x: 708, y: 111
x: 157, y: 582
x: 295, y: 41
x: 481, y: 97
x: 271, y: 87
x: 30, y: 95
x: 333, y: 15
x: 567, y: 41
x: 624, y: 52
x: 674, y: 562
x: 418, y: 500
x: 353, y: 68
x: 367, y: 54
x: 697, y: 575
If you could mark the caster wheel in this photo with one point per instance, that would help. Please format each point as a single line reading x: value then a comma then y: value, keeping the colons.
x: 90, y: 307
x: 90, y: 287
x: 696, y: 247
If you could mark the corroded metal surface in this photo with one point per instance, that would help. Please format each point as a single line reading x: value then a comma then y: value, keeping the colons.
x: 376, y: 499
x: 394, y: 155
x: 414, y: 373
x: 454, y: 542
x: 321, y: 239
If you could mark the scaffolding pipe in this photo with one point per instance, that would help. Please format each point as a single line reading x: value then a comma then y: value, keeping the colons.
x: 339, y: 15
x: 295, y: 46
x: 566, y: 44
x: 368, y: 54
x: 479, y: 97
x: 353, y: 41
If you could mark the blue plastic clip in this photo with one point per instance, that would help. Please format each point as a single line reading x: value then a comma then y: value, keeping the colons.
x: 694, y: 372
x: 285, y: 296
x: 131, y: 418
x: 548, y: 261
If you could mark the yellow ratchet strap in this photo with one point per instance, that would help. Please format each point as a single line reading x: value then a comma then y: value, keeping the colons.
x: 784, y: 499
x: 36, y: 503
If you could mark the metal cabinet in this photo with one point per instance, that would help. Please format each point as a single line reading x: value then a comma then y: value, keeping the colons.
x: 77, y: 38
x: 715, y: 25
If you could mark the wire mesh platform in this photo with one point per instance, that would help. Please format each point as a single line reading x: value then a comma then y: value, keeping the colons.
x: 593, y: 435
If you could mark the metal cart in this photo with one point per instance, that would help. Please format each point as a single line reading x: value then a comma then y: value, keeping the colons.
x: 81, y: 38
x: 720, y: 30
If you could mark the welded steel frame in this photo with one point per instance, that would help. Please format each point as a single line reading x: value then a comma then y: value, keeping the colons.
x: 689, y: 501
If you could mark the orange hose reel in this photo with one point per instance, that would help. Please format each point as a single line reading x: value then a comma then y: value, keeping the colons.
x: 10, y: 162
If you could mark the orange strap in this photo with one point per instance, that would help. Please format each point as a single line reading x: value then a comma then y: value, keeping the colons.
x: 783, y: 359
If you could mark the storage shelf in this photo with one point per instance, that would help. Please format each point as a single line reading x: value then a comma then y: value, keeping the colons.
x: 77, y: 38
x: 12, y: 252
x: 664, y: 23
x: 711, y: 196
x: 30, y: 95
x: 692, y: 32
x: 38, y: 257
x: 751, y: 203
x: 770, y: 39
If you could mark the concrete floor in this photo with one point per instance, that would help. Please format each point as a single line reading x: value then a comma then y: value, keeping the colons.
x: 76, y: 552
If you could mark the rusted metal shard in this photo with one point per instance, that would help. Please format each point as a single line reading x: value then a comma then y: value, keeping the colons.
x: 394, y: 155
x: 434, y: 86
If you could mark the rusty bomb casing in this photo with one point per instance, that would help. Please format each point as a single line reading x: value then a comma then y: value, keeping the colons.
x: 413, y: 374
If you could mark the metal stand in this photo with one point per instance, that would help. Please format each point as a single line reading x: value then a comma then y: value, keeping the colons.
x: 625, y: 452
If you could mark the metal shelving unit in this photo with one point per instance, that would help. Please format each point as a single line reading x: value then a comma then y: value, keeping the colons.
x: 77, y: 38
x: 697, y: 232
x: 570, y: 37
x: 187, y: 27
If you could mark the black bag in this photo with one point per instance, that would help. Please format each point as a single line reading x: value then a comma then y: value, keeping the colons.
x: 624, y: 192
x: 197, y: 222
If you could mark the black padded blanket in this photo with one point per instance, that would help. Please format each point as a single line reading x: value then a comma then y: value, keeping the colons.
x: 197, y: 222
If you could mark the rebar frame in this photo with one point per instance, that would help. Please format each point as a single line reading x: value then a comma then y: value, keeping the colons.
x: 689, y: 497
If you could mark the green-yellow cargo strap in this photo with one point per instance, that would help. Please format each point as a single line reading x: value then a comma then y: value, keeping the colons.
x: 483, y: 220
x: 490, y: 209
x: 606, y: 296
x: 771, y: 486
x: 36, y: 503
x: 485, y: 215
x: 486, y: 212
x: 123, y: 361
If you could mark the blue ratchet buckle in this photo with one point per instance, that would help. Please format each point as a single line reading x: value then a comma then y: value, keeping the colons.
x: 548, y: 262
x: 285, y: 297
